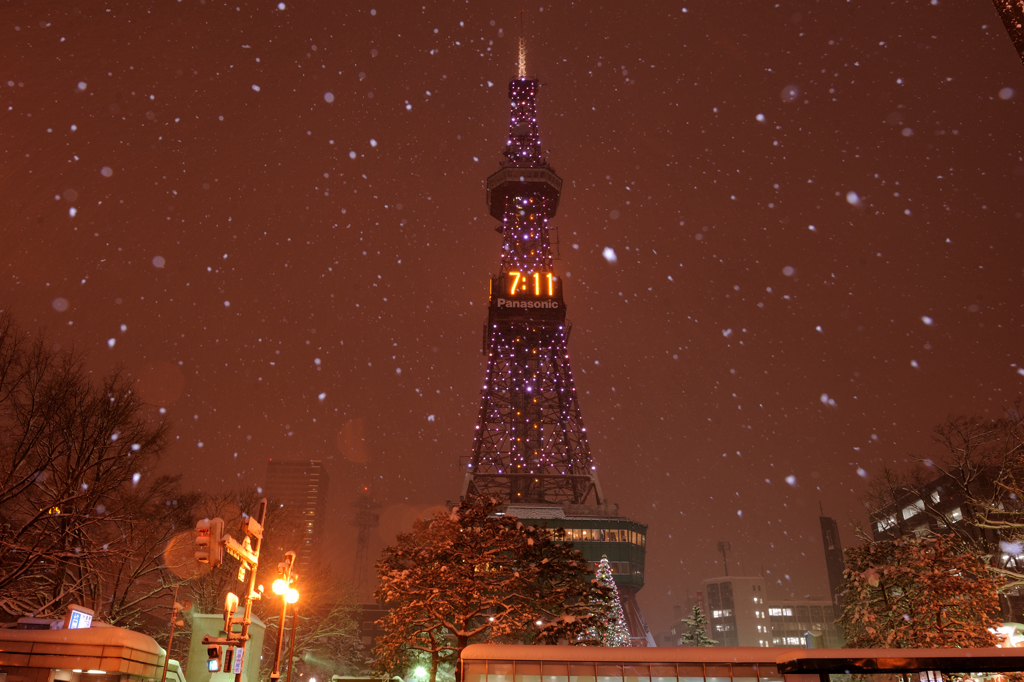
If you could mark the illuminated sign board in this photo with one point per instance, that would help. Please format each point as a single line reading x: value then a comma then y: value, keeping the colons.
x: 78, y: 618
x: 506, y: 303
x: 530, y: 294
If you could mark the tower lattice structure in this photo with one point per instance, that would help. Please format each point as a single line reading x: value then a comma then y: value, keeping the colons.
x: 530, y: 444
x: 366, y: 520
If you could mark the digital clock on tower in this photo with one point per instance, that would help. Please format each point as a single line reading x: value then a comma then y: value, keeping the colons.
x: 536, y: 284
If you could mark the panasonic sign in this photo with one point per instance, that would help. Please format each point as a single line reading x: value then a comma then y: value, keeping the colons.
x: 506, y: 303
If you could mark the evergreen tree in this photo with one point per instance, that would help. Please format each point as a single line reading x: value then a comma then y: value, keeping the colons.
x: 617, y: 633
x: 698, y: 632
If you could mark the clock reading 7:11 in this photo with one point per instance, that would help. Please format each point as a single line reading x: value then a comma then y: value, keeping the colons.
x: 521, y: 282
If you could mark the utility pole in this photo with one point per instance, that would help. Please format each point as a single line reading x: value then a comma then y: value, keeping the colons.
x: 174, y: 621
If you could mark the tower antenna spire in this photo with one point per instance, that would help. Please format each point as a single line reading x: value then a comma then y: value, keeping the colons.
x: 522, y: 47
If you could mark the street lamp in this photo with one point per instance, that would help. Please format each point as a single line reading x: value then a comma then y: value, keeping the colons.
x: 289, y: 595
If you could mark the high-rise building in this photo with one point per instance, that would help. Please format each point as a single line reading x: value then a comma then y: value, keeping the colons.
x: 834, y: 563
x: 299, y: 487
x: 530, y: 447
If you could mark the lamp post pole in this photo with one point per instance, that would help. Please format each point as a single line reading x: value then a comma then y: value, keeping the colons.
x: 282, y: 586
x: 291, y: 645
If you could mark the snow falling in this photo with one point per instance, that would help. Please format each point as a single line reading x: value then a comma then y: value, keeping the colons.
x: 801, y: 247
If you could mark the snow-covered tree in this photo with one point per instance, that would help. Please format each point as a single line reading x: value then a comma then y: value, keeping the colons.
x: 697, y: 629
x: 82, y: 518
x: 616, y: 632
x: 979, y: 462
x: 469, y: 576
x: 913, y: 592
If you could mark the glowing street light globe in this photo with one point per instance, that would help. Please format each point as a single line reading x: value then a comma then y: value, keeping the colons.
x: 291, y: 596
x: 280, y: 586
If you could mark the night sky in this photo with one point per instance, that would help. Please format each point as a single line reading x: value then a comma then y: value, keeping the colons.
x: 273, y: 216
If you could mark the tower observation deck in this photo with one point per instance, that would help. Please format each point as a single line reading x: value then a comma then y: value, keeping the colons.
x: 530, y: 448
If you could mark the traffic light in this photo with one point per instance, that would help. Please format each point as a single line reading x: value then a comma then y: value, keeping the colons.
x: 203, y: 541
x: 214, y: 654
x: 209, y: 548
x: 230, y: 607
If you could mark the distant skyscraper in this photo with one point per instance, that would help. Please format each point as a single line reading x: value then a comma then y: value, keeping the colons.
x: 834, y: 563
x: 300, y: 487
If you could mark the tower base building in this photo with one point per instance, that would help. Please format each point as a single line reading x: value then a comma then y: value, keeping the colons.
x: 598, y: 531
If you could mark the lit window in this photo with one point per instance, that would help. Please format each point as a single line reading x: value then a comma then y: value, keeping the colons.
x: 788, y: 641
x: 956, y: 515
x: 913, y: 509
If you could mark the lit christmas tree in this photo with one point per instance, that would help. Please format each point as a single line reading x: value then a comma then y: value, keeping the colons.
x: 617, y: 633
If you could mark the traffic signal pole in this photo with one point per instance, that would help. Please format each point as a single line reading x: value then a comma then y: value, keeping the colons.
x: 210, y: 543
x: 251, y: 594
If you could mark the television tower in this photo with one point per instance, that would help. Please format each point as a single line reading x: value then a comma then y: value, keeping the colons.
x: 530, y: 448
x: 530, y: 443
x: 366, y: 520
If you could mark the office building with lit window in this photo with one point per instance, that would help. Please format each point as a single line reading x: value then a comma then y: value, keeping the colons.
x: 935, y: 507
x: 736, y: 611
x: 740, y: 613
x: 791, y: 619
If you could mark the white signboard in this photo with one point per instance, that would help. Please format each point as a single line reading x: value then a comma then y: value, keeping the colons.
x: 79, y: 620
